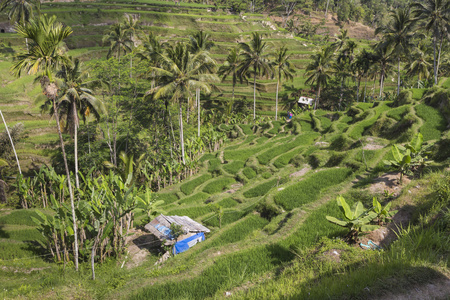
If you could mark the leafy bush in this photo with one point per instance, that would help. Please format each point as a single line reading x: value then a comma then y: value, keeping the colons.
x: 308, y: 190
x: 249, y: 172
x: 266, y: 175
x: 188, y: 187
x: 260, y: 190
x: 405, y: 97
x: 233, y: 167
x: 218, y: 185
x: 198, y: 197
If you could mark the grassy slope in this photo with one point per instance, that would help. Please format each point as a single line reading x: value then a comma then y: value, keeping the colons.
x: 249, y: 255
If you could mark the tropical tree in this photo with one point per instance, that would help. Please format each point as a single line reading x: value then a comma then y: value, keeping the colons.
x: 21, y: 11
x: 419, y: 65
x: 255, y: 60
x: 201, y: 42
x: 382, y: 58
x: 179, y: 73
x: 132, y: 28
x: 231, y: 67
x: 435, y: 17
x: 341, y: 39
x: 319, y: 70
x: 282, y: 69
x: 119, y: 39
x: 45, y: 56
x: 76, y: 98
x: 398, y: 35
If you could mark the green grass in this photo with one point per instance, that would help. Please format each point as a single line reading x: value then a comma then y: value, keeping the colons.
x: 239, y: 231
x: 189, y: 187
x: 434, y: 123
x: 19, y: 217
x: 357, y: 130
x: 167, y: 197
x: 233, y: 167
x: 308, y: 190
x: 198, y: 197
x: 304, y: 139
x: 249, y: 172
x: 227, y: 203
x: 191, y: 212
x: 218, y: 185
x: 260, y: 190
x: 229, y: 216
x: 398, y: 113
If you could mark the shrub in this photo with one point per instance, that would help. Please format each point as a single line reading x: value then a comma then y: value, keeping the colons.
x: 308, y: 190
x: 341, y: 143
x: 218, y: 185
x: 249, y: 172
x: 266, y: 175
x: 188, y: 187
x: 260, y: 190
x: 405, y: 97
x: 298, y: 160
x: 198, y: 197
x: 233, y: 167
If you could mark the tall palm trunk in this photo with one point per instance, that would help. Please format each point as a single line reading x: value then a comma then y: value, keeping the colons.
x: 181, y: 132
x: 439, y: 57
x: 72, y: 205
x: 75, y: 143
x: 398, y: 77
x: 434, y: 56
x: 381, y: 83
x: 276, y: 100
x: 12, y: 143
x: 198, y: 114
x: 365, y: 89
x: 317, y: 98
x: 254, y: 97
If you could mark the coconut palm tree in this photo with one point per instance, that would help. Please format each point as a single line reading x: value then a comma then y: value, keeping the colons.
x: 255, y: 60
x: 341, y: 39
x: 398, y: 35
x: 119, y: 40
x: 419, y: 65
x: 21, y: 11
x: 181, y: 71
x: 77, y: 99
x: 435, y: 17
x: 132, y: 28
x: 12, y: 143
x: 201, y: 42
x: 231, y: 67
x: 282, y: 69
x: 383, y: 57
x: 319, y: 70
x: 45, y: 56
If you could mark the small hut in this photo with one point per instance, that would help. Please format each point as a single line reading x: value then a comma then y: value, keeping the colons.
x: 193, y: 232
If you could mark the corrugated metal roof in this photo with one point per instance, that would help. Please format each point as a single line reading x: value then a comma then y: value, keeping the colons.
x: 159, y: 225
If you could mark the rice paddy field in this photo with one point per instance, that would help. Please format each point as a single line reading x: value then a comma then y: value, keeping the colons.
x: 275, y: 183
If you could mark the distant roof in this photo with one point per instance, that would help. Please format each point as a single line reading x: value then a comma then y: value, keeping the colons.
x: 160, y: 226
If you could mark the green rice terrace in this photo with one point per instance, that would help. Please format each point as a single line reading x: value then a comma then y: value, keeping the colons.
x: 348, y: 198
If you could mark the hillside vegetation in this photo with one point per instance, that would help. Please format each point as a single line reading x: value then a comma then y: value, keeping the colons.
x: 264, y: 187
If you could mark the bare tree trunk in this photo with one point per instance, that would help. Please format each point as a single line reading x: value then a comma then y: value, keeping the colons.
x: 434, y: 57
x: 398, y: 78
x: 254, y: 97
x: 317, y: 98
x: 381, y: 84
x: 12, y: 143
x: 72, y: 205
x: 198, y: 108
x: 181, y: 132
x: 439, y: 57
x: 276, y: 100
x: 75, y: 142
x: 326, y: 9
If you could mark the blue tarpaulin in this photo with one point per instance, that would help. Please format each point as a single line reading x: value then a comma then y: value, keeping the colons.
x: 187, y: 243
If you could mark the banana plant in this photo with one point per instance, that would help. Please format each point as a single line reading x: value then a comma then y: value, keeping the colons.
x: 356, y: 220
x: 147, y: 205
x: 383, y: 213
x: 419, y: 153
x: 401, y: 161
